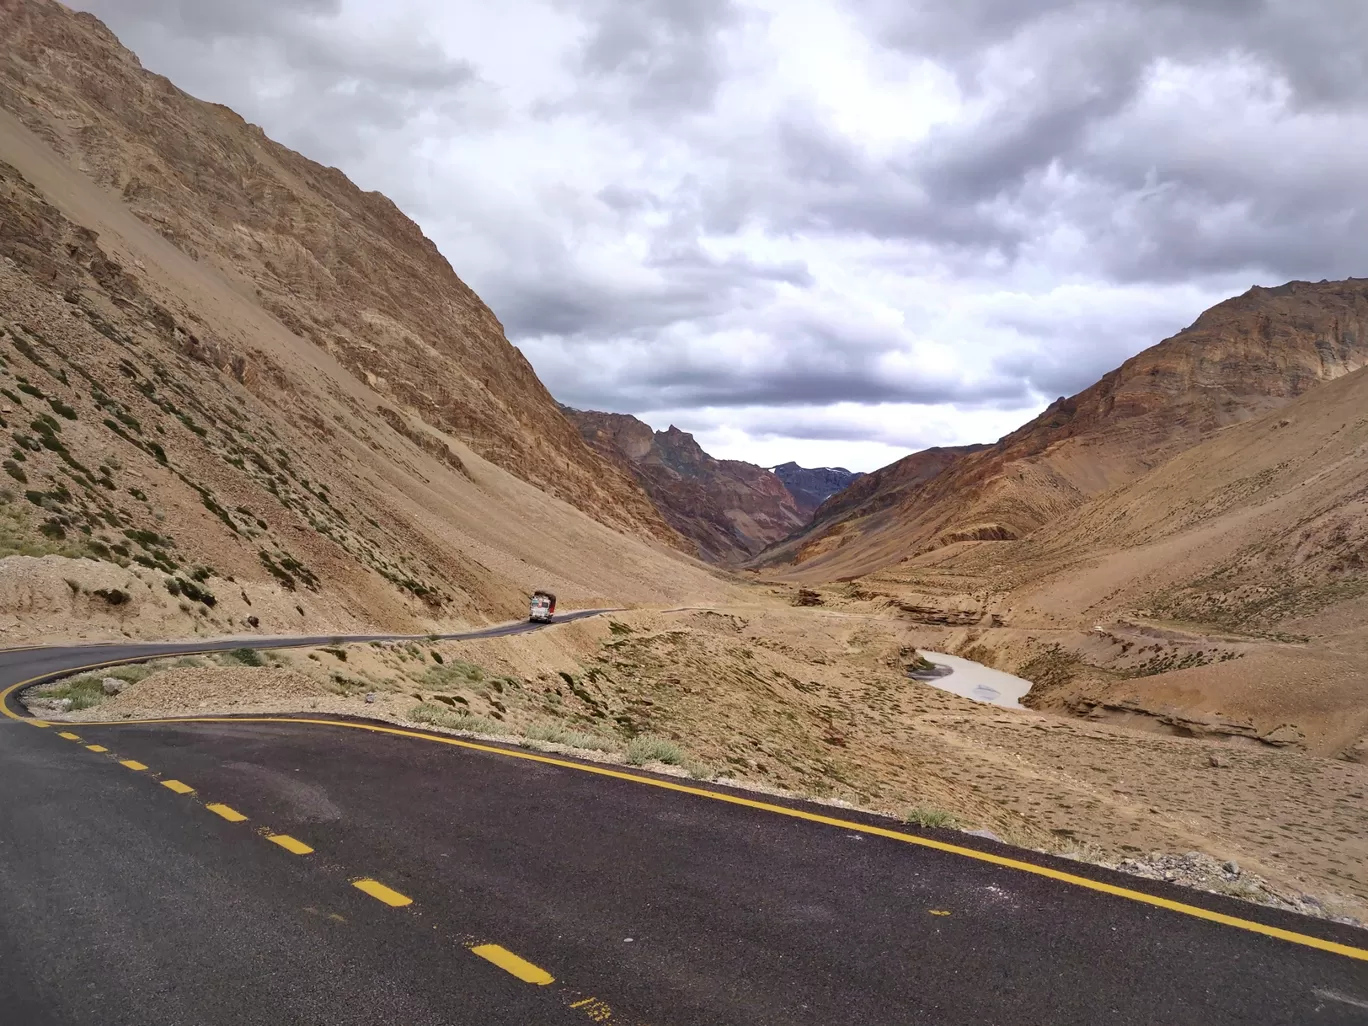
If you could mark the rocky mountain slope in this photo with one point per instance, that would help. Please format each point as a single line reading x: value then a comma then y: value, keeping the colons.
x: 729, y: 509
x: 1223, y: 594
x: 812, y: 486
x: 341, y: 268
x: 239, y: 394
x: 1240, y: 359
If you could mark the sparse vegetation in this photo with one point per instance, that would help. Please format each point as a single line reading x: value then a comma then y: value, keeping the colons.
x: 646, y: 748
x: 557, y: 733
x: 440, y: 716
x: 245, y: 657
x: 925, y: 816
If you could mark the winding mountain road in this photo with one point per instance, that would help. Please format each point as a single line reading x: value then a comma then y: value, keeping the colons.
x: 294, y: 870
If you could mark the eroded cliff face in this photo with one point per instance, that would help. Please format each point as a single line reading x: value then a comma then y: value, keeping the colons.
x: 1240, y: 359
x: 729, y: 509
x: 342, y: 268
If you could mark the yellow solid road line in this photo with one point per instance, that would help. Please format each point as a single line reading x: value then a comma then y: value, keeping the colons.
x: 1195, y: 911
x: 69, y: 735
x: 40, y: 723
x: 96, y: 748
x: 231, y: 815
x: 380, y: 892
x: 290, y: 844
x: 511, y: 963
x: 178, y: 787
x: 133, y: 764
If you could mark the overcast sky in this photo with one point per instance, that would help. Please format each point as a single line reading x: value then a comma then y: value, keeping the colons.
x: 834, y: 231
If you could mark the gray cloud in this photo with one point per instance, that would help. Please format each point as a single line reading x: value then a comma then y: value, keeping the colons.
x: 664, y: 54
x: 1065, y: 142
x: 286, y: 63
x: 670, y: 281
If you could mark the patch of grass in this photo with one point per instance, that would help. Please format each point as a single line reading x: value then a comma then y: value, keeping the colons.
x: 86, y: 690
x: 453, y: 675
x: 647, y: 748
x: 245, y: 657
x: 61, y: 408
x: 926, y: 816
x: 440, y: 716
x: 337, y: 653
x: 558, y: 733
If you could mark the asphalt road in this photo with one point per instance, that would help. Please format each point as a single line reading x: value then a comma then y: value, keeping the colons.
x: 158, y: 882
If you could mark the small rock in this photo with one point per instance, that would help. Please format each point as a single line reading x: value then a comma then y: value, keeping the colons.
x: 1219, y: 761
x: 370, y: 697
x: 1232, y: 867
x: 112, y: 685
x: 62, y: 705
x: 252, y: 621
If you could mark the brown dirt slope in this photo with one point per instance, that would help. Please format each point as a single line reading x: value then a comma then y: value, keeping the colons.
x: 1225, y: 593
x: 342, y: 268
x: 1240, y: 359
x: 729, y: 509
x: 179, y: 461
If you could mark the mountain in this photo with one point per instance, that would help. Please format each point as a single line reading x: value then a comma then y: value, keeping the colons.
x: 239, y: 391
x: 812, y: 486
x: 1240, y: 359
x: 1224, y: 593
x: 342, y: 269
x: 729, y: 509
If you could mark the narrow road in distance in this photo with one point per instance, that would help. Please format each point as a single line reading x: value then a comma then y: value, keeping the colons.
x: 283, y: 870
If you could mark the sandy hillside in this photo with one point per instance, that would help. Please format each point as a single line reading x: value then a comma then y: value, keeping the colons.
x: 816, y: 702
x: 185, y: 458
x: 340, y: 268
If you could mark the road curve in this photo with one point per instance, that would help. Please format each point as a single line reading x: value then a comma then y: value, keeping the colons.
x: 288, y: 870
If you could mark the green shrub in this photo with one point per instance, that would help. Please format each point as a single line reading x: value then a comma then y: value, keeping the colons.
x: 925, y: 816
x: 439, y: 716
x: 558, y: 733
x: 647, y: 748
x: 245, y: 656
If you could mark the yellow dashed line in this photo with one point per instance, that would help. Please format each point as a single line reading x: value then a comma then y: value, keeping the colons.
x: 380, y: 892
x: 96, y: 748
x: 69, y: 735
x: 133, y: 764
x: 811, y: 816
x: 178, y: 787
x: 290, y: 844
x: 511, y: 963
x: 231, y: 815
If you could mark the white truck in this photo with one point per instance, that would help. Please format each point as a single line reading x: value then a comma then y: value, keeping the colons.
x: 542, y: 608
